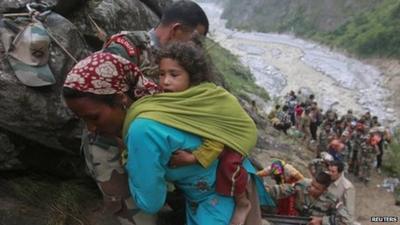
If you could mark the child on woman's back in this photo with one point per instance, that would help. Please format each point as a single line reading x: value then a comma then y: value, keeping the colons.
x: 183, y: 65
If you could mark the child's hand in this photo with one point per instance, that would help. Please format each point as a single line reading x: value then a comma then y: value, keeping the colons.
x: 182, y: 158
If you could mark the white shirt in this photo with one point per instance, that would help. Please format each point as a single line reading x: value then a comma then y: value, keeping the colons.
x: 344, y: 190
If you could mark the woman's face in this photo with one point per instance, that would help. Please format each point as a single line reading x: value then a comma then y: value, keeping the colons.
x: 98, y: 116
x: 173, y: 77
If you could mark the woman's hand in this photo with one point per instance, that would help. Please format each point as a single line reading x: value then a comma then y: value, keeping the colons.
x: 182, y: 158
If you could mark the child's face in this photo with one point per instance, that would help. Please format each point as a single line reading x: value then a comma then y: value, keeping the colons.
x: 173, y: 77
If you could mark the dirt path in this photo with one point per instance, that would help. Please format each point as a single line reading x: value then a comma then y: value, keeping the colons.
x: 374, y: 201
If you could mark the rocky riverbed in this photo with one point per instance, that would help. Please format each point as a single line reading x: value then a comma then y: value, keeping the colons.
x: 281, y: 63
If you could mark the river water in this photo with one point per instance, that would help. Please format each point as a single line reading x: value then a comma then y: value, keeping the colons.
x: 281, y: 63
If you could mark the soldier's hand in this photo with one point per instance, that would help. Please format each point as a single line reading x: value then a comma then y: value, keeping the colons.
x: 263, y: 173
x: 315, y: 221
x: 182, y: 158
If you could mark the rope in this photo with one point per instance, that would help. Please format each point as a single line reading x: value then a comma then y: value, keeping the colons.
x: 101, y: 34
x: 15, y: 14
x: 62, y: 47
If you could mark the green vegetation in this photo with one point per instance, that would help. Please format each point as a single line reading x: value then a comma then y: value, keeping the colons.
x: 373, y: 33
x: 236, y: 78
x: 364, y: 28
x: 297, y: 23
x: 391, y: 163
x: 392, y: 158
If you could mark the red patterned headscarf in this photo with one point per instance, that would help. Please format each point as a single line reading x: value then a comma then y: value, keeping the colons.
x: 104, y: 73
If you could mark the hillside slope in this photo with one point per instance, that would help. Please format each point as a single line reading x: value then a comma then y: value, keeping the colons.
x: 281, y: 15
x: 365, y: 28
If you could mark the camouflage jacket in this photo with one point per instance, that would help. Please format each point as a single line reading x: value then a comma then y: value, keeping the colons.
x: 361, y: 142
x: 366, y: 148
x: 323, y: 141
x: 326, y: 206
x: 356, y: 140
x: 140, y: 48
x: 136, y: 46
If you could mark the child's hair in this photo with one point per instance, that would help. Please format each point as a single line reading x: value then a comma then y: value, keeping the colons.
x: 191, y: 57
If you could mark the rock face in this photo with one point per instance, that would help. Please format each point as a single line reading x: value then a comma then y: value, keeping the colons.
x: 113, y: 16
x: 39, y: 115
x: 59, y: 6
x: 156, y: 6
x: 8, y: 153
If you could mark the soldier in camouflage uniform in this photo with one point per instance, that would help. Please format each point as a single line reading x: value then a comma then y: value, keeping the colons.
x: 313, y: 200
x: 346, y: 139
x: 356, y: 141
x: 367, y: 155
x: 323, y: 139
x: 179, y: 22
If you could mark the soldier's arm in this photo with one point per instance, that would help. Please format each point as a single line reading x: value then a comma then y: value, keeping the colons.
x: 339, y: 217
x: 281, y: 191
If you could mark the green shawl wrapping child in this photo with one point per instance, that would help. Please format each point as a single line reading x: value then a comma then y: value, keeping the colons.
x: 205, y: 110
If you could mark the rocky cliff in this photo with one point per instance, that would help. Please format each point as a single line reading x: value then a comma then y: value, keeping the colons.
x: 34, y: 122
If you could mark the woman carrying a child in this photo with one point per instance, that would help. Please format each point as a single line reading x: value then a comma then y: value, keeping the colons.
x: 197, y: 116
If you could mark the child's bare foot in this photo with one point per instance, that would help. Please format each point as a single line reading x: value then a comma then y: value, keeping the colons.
x: 242, y: 208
